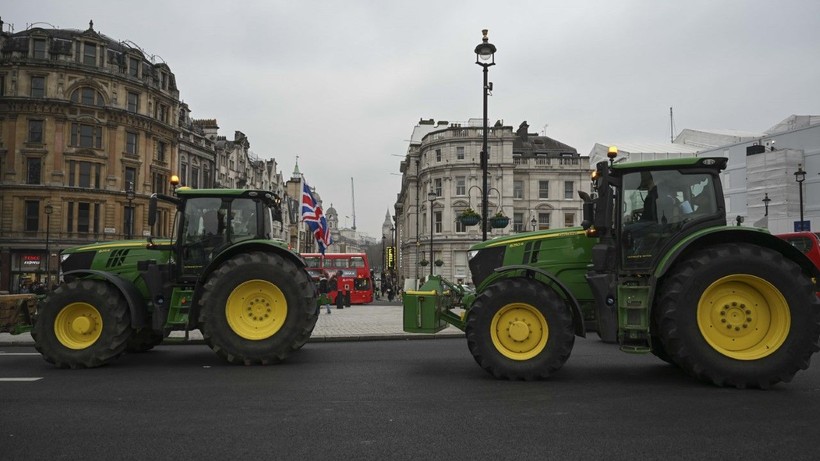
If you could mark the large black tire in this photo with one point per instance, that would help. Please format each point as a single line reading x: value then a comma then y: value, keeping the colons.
x: 82, y: 324
x: 143, y: 340
x: 520, y: 329
x: 739, y: 315
x: 257, y: 308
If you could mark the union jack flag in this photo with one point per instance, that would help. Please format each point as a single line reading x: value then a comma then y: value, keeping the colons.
x: 315, y: 219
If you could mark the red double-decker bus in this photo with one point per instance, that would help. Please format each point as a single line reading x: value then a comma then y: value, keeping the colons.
x: 355, y: 276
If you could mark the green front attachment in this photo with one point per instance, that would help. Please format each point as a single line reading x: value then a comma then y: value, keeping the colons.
x: 427, y: 310
x: 17, y: 313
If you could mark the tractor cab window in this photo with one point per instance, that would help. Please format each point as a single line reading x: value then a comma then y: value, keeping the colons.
x: 655, y: 207
x: 243, y: 219
x: 211, y: 223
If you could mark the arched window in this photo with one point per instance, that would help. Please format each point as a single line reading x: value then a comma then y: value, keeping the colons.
x: 88, y: 96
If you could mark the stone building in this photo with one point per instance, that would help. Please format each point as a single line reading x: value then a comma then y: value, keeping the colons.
x: 83, y: 117
x: 197, y: 150
x: 533, y: 180
x: 85, y: 121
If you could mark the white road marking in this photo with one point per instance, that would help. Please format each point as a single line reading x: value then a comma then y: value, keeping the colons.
x: 19, y: 379
x: 18, y: 353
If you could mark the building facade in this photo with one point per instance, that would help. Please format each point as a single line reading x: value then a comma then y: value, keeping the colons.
x: 533, y: 180
x: 83, y: 118
x: 90, y: 127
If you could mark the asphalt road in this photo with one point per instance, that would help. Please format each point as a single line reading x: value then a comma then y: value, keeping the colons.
x: 418, y: 399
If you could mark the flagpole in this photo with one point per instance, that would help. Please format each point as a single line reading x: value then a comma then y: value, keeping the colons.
x: 299, y: 221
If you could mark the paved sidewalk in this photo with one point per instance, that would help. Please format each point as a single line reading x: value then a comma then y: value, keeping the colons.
x: 354, y: 323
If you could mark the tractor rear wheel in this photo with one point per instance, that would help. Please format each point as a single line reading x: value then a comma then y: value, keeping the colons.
x: 82, y: 324
x: 739, y: 315
x: 520, y: 329
x: 257, y: 308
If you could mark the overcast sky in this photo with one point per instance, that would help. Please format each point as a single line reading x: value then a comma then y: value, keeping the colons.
x: 342, y: 83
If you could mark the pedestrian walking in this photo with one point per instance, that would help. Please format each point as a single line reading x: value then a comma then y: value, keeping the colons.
x: 324, y: 289
x: 333, y: 286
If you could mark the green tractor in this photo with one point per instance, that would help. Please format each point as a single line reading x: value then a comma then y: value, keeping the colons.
x: 654, y: 268
x: 221, y: 273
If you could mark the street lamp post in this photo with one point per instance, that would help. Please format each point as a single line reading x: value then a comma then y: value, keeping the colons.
x: 129, y: 195
x: 800, y: 176
x: 432, y: 198
x: 384, y: 257
x: 533, y: 223
x: 48, y: 209
x: 484, y: 57
x: 766, y: 201
x: 394, y: 253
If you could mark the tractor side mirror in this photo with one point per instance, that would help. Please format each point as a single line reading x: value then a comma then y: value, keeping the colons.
x: 588, y: 210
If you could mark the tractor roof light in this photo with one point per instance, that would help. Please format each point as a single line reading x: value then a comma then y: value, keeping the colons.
x: 612, y: 153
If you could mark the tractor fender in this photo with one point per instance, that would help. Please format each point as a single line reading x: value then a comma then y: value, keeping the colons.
x: 529, y: 272
x: 136, y: 303
x: 735, y: 234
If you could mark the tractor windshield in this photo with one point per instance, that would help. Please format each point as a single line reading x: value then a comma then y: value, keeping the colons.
x: 655, y: 206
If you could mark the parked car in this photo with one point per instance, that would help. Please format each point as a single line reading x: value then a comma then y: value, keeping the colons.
x: 807, y: 242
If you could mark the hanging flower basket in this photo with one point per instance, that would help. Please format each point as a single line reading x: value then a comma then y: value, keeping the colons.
x: 439, y: 263
x: 469, y: 217
x: 424, y: 262
x: 499, y: 221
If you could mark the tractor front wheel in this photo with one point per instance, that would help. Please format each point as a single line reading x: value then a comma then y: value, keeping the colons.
x: 82, y: 324
x: 739, y: 315
x: 520, y: 329
x: 257, y: 308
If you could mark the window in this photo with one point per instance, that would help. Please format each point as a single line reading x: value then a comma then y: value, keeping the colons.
x: 163, y: 79
x: 460, y: 228
x: 39, y: 48
x: 89, y: 54
x: 130, y: 178
x: 461, y: 185
x: 437, y: 221
x: 569, y: 188
x: 34, y: 170
x: 134, y: 67
x: 161, y: 113
x: 84, y: 174
x: 569, y: 219
x: 83, y: 217
x: 161, y: 146
x: 518, y: 222
x: 183, y: 174
x: 518, y: 189
x: 158, y: 182
x: 84, y: 135
x: 131, y: 143
x: 206, y: 177
x: 543, y: 189
x: 32, y: 216
x: 35, y: 131
x: 128, y: 223
x: 38, y: 87
x: 543, y: 221
x: 87, y: 96
x: 133, y: 104
x: 437, y: 187
x: 195, y: 177
x: 460, y: 153
x: 438, y: 155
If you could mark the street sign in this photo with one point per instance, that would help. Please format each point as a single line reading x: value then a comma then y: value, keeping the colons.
x: 802, y: 226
